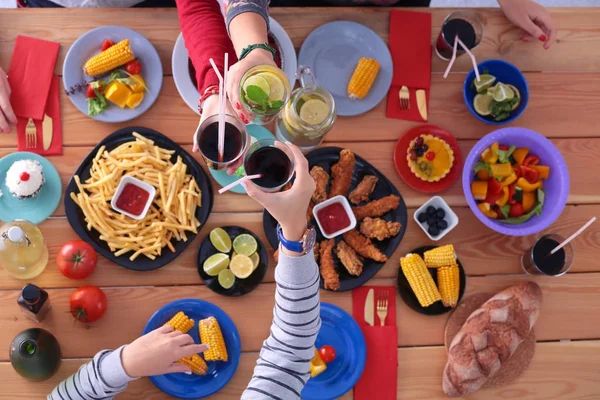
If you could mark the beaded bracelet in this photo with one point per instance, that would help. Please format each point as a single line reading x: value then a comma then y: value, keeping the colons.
x: 264, y: 46
x: 209, y: 91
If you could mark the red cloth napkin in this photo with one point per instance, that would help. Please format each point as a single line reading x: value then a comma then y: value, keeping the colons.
x: 53, y: 111
x: 410, y: 46
x: 379, y: 379
x: 30, y: 73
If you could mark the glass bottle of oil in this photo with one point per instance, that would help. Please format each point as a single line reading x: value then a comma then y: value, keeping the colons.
x: 23, y: 251
x: 308, y: 115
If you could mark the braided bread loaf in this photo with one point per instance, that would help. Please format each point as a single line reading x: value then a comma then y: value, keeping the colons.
x: 489, y: 337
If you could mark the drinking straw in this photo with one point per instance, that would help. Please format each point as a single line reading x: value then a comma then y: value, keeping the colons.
x: 573, y: 236
x: 223, y: 98
x: 241, y: 180
x: 221, y: 111
x: 449, y: 67
x: 470, y: 55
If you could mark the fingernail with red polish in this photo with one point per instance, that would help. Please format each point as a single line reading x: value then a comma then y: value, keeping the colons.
x: 237, y: 106
x: 543, y: 38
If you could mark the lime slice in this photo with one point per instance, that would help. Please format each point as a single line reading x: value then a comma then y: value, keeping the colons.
x: 502, y: 93
x: 245, y: 244
x: 484, y: 82
x: 481, y: 103
x: 517, y: 94
x: 215, y: 264
x: 241, y: 266
x: 220, y: 239
x: 257, y: 80
x: 226, y: 279
x: 314, y: 111
x: 255, y: 260
x: 277, y: 90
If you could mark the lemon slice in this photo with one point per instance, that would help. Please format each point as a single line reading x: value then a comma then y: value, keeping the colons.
x: 215, y: 264
x: 314, y: 111
x: 220, y: 239
x: 277, y: 88
x: 257, y: 80
x: 481, y: 103
x: 245, y: 244
x: 484, y: 82
x: 226, y: 279
x: 241, y: 266
x: 255, y: 260
x: 503, y: 92
x: 517, y: 94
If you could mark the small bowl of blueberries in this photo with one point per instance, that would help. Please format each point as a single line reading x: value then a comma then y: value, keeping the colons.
x: 436, y: 218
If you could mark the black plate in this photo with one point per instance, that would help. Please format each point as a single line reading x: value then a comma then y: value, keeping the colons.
x: 241, y: 286
x: 76, y: 217
x: 409, y: 297
x: 326, y: 157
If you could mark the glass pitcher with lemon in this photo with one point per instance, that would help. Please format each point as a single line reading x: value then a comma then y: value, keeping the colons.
x: 308, y: 115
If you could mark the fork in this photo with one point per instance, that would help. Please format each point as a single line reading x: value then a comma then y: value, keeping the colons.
x: 382, y: 306
x: 404, y: 98
x: 30, y: 135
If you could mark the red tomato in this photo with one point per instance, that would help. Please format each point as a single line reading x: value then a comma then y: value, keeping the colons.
x: 503, y: 147
x: 107, y: 44
x: 327, y: 354
x: 516, y: 210
x: 133, y: 67
x: 530, y: 161
x: 494, y: 186
x: 90, y: 93
x: 530, y: 174
x: 88, y: 304
x: 76, y: 259
x: 517, y: 171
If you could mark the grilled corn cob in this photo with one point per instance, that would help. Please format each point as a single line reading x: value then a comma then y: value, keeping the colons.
x: 210, y: 334
x: 419, y: 279
x: 363, y: 78
x: 196, y: 364
x: 181, y: 322
x: 449, y: 284
x: 440, y: 256
x: 111, y: 58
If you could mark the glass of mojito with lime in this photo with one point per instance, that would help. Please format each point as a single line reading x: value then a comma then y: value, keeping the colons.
x: 264, y: 90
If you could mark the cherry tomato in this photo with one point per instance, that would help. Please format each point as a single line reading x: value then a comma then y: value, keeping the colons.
x: 88, y: 304
x: 327, y: 354
x: 530, y: 174
x: 133, y: 67
x: 107, y: 44
x: 530, y: 161
x: 76, y: 259
x: 503, y: 147
x: 516, y: 210
x: 90, y: 93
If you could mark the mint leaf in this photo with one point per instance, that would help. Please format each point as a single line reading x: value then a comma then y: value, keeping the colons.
x: 504, y: 155
x: 240, y: 171
x: 276, y: 104
x: 480, y: 165
x: 256, y: 94
x: 505, y: 209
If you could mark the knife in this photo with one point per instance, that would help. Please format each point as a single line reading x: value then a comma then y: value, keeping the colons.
x: 370, y: 307
x: 422, y: 104
x: 47, y: 131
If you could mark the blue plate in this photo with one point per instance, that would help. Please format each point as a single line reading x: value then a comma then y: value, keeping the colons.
x: 219, y: 373
x: 222, y: 178
x: 89, y: 45
x: 38, y: 208
x: 340, y: 331
x: 333, y: 50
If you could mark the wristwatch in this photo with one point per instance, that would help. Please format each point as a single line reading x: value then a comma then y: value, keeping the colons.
x: 304, y: 246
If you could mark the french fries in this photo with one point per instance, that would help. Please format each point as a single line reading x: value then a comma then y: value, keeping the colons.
x: 171, y: 215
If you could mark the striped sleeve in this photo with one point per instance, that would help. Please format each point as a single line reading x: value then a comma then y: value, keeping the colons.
x: 100, y: 379
x: 283, y: 365
x: 237, y: 7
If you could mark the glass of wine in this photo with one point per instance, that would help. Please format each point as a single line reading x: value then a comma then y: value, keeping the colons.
x: 464, y: 24
x: 273, y: 160
x: 236, y: 141
x: 538, y: 261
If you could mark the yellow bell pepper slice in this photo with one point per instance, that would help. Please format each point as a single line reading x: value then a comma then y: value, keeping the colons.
x: 487, y: 211
x: 137, y: 84
x: 479, y: 189
x: 117, y: 93
x: 509, y: 180
x: 502, y: 170
x: 519, y: 154
x: 489, y: 155
x: 504, y: 198
x: 135, y: 99
x: 528, y: 187
x: 528, y: 201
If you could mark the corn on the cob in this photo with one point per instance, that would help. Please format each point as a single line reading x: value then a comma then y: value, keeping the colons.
x: 419, y: 279
x: 181, y: 322
x: 210, y: 334
x: 363, y: 78
x: 111, y: 58
x: 196, y: 364
x: 449, y: 284
x: 440, y: 256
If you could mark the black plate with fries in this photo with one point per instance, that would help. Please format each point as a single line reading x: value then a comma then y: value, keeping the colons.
x: 77, y: 219
x: 327, y: 157
x: 409, y: 297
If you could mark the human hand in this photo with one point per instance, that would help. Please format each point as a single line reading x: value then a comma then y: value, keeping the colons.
x: 533, y: 18
x: 235, y: 74
x: 155, y: 353
x: 7, y: 115
x: 289, y: 207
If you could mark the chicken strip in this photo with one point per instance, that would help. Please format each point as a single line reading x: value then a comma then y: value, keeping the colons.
x: 342, y: 174
x: 321, y: 178
x: 376, y: 208
x: 363, y: 246
x: 349, y: 258
x: 331, y: 279
x: 363, y: 190
x: 377, y: 228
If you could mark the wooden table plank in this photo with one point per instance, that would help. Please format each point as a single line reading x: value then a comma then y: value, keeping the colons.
x: 482, y: 251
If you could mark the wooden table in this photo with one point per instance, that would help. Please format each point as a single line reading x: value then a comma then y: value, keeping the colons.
x: 564, y: 105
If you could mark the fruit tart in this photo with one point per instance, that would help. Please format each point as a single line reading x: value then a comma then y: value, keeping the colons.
x: 429, y: 158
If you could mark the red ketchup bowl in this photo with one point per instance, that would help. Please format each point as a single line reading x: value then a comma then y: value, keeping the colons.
x: 133, y: 197
x: 334, y: 216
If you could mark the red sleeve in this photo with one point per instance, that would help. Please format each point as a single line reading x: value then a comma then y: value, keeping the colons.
x: 205, y: 35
